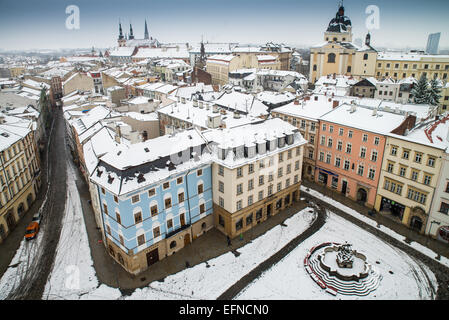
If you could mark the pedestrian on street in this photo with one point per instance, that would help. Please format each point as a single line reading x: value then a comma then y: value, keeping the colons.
x: 229, y: 240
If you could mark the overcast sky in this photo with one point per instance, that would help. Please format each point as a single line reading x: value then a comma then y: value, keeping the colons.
x: 42, y: 24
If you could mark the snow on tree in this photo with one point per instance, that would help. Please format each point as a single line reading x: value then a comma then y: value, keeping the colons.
x: 434, y: 92
x: 420, y: 91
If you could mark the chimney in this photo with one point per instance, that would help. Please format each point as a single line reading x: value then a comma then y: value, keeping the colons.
x: 335, y: 104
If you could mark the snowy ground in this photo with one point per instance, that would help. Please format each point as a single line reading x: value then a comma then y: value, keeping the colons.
x: 288, y: 279
x: 73, y: 276
x: 424, y: 250
x: 20, y: 264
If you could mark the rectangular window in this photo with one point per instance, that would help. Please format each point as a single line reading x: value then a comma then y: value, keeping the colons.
x: 239, y: 224
x: 151, y: 192
x: 156, y: 232
x: 261, y: 180
x: 337, y: 162
x: 371, y: 174
x: 405, y: 154
x: 289, y: 168
x: 239, y: 172
x: 328, y: 158
x: 169, y: 223
x: 260, y: 197
x: 281, y: 157
x: 154, y: 210
x: 221, y: 170
x: 280, y: 172
x: 250, y: 184
x: 202, y: 208
x: 179, y: 180
x: 402, y: 171
x: 365, y: 138
x: 141, y: 239
x: 444, y: 208
x: 279, y: 186
x: 347, y: 164
x: 360, y: 170
x: 339, y: 145
x: 181, y: 197
x: 135, y: 198
x: 348, y: 148
x: 414, y: 176
x: 289, y: 154
x: 105, y: 208
x: 390, y: 167
x: 200, y: 188
x: 427, y: 179
x: 167, y: 203
x: 138, y: 217
x: 323, y: 140
x: 340, y: 131
x: 118, y: 218
x: 199, y: 172
x: 394, y: 151
x: 166, y: 185
x: 221, y: 201
x: 350, y: 134
x: 431, y: 162
x: 239, y: 205
x: 250, y: 168
x: 363, y: 152
x: 239, y: 188
x: 250, y: 200
x: 249, y: 220
x: 329, y: 142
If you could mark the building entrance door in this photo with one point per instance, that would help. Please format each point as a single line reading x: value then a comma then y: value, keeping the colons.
x: 186, y: 239
x: 344, y: 187
x: 269, y: 210
x: 152, y: 257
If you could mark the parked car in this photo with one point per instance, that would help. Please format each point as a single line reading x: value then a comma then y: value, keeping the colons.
x: 33, y: 227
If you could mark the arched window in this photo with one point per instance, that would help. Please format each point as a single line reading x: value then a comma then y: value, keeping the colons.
x: 172, y: 244
x: 331, y: 58
x: 365, y: 56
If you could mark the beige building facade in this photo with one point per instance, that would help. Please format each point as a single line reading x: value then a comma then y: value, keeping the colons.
x: 19, y: 179
x: 408, y: 180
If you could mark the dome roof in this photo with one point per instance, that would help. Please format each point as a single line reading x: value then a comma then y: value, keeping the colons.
x: 340, y: 23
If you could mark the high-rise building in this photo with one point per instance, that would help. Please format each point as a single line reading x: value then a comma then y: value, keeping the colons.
x: 432, y: 43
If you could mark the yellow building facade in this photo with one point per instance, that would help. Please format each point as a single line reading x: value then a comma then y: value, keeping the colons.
x: 408, y: 180
x: 19, y: 181
x: 339, y: 55
x: 404, y: 65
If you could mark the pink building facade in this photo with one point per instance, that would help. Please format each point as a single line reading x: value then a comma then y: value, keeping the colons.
x: 349, y: 161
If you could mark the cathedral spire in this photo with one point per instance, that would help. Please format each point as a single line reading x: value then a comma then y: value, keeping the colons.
x: 131, y: 35
x: 120, y: 35
x: 146, y: 34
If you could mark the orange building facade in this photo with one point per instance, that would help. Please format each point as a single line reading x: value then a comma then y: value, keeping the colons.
x: 349, y: 161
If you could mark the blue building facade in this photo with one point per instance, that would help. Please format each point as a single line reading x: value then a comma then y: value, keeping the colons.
x: 153, y: 216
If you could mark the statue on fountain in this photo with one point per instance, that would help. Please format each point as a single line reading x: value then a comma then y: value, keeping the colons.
x: 345, y: 256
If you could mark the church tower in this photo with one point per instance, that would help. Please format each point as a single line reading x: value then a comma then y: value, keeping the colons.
x: 121, y: 38
x: 146, y: 34
x: 131, y: 35
x: 339, y: 28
